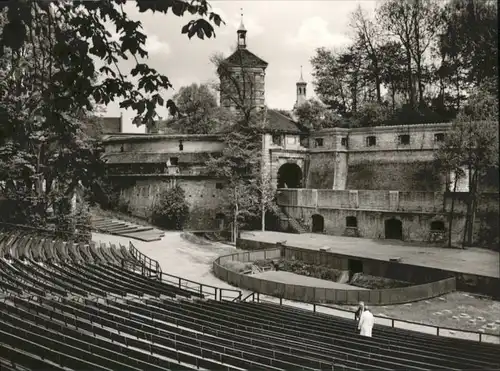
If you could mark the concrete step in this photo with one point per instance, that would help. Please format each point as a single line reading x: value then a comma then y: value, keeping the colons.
x: 119, y: 227
x: 147, y: 236
x: 110, y: 226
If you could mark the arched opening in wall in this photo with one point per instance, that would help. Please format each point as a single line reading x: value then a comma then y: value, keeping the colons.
x: 351, y: 222
x: 289, y: 176
x: 318, y: 224
x: 393, y: 229
x: 437, y: 226
x: 219, y: 221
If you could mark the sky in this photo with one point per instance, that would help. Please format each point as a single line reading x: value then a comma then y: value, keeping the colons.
x: 284, y: 33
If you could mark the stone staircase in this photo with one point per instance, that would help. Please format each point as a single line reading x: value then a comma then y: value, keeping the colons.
x: 126, y: 229
x: 292, y: 222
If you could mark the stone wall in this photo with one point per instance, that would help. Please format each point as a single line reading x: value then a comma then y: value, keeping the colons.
x: 321, y: 173
x: 201, y: 194
x: 389, y: 163
x: 421, y: 137
x: 371, y: 210
x: 380, y: 200
x: 401, y: 176
x: 155, y: 143
x: 371, y: 224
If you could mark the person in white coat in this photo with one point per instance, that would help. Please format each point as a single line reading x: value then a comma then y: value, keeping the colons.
x: 366, y: 323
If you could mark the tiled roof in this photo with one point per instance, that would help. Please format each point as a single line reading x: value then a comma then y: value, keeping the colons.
x: 242, y: 57
x: 111, y: 124
x: 277, y: 122
x: 97, y: 126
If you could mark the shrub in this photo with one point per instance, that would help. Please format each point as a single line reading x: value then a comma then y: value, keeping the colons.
x: 171, y: 209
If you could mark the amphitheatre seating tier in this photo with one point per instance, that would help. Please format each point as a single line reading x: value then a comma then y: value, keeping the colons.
x: 89, y: 307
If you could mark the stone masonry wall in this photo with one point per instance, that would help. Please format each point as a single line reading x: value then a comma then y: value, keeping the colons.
x: 416, y: 211
x: 398, y: 176
x: 321, y: 172
x: 201, y: 194
x: 371, y: 224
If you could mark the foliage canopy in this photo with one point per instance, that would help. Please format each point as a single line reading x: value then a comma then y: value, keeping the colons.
x: 171, y: 210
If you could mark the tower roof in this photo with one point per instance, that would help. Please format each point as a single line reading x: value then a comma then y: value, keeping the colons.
x: 242, y: 26
x: 245, y: 58
x: 301, y: 80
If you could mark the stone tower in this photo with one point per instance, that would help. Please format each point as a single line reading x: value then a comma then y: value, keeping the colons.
x: 242, y: 76
x: 301, y: 91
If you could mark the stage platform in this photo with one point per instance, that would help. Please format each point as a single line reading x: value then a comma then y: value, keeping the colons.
x: 298, y: 279
x: 473, y: 261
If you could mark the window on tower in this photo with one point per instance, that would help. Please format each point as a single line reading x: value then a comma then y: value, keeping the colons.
x: 371, y: 141
x: 277, y: 140
x: 318, y: 142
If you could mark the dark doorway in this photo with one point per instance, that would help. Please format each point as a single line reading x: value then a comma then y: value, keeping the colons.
x: 351, y: 222
x: 272, y: 222
x: 393, y: 229
x: 355, y: 266
x: 318, y: 224
x: 437, y: 226
x: 219, y: 221
x: 289, y: 176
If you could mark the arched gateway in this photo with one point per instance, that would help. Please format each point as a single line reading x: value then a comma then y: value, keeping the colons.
x: 290, y: 176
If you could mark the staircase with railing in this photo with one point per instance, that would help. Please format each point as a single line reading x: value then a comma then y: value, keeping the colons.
x: 149, y: 267
x: 292, y: 222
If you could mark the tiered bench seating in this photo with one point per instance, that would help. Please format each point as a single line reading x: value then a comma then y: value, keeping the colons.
x: 126, y: 229
x: 75, y: 306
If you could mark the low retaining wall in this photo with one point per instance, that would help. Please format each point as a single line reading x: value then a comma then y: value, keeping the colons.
x: 472, y: 283
x: 322, y: 295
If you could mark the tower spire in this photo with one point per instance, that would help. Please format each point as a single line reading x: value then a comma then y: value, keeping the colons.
x: 301, y: 90
x: 242, y: 26
x: 301, y: 78
x: 242, y: 34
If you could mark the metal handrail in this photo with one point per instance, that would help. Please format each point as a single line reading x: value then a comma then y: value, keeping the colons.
x: 255, y: 296
x: 216, y: 292
x: 152, y: 265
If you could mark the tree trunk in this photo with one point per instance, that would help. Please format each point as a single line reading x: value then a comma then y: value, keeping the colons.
x: 377, y: 84
x: 263, y: 217
x: 468, y: 213
x: 457, y: 87
x: 411, y: 91
x: 393, y: 97
x: 473, y: 195
x: 452, y: 210
x: 263, y: 176
x: 418, y: 54
x: 420, y: 83
x: 235, y: 218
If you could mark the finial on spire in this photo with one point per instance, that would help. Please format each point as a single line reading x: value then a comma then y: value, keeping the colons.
x: 242, y: 32
x: 242, y: 26
x: 301, y: 80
